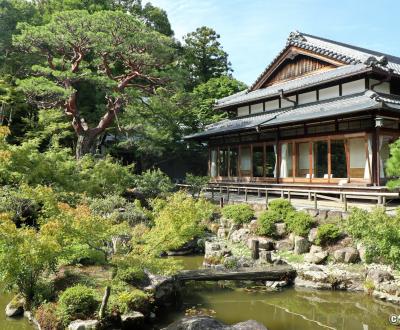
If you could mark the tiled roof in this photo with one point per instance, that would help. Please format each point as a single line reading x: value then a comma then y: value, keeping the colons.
x: 323, y: 109
x: 288, y: 86
x: 356, y: 60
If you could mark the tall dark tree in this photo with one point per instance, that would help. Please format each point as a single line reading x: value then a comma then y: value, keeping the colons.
x: 204, y: 57
x: 109, y: 51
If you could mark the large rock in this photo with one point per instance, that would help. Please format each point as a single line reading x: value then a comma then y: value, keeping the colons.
x: 312, y: 235
x: 222, y: 232
x: 301, y: 245
x: 133, y: 320
x: 209, y: 323
x: 240, y: 235
x: 379, y: 275
x: 362, y: 251
x: 280, y: 229
x: 15, y: 307
x: 316, y: 258
x: 346, y: 255
x: 266, y: 244
x: 83, y: 325
x: 284, y: 245
x: 164, y: 289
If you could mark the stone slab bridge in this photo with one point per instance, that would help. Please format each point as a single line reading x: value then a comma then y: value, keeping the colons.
x: 271, y: 273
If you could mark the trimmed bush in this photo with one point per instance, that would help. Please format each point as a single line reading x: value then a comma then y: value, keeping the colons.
x: 281, y: 207
x: 266, y: 223
x: 299, y: 222
x: 327, y: 233
x: 133, y: 300
x: 238, y: 213
x: 77, y: 302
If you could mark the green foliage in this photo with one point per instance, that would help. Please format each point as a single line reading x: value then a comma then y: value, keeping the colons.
x: 77, y: 302
x: 196, y: 183
x: 378, y: 231
x: 118, y: 209
x: 205, y: 95
x: 238, y: 213
x: 203, y: 55
x: 299, y: 222
x: 281, y: 207
x: 327, y: 233
x: 393, y: 165
x: 181, y: 219
x: 25, y: 163
x: 132, y: 300
x: 266, y: 223
x: 26, y: 255
x: 153, y: 183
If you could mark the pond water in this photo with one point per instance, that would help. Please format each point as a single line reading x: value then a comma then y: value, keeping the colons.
x: 289, y: 309
x: 7, y: 323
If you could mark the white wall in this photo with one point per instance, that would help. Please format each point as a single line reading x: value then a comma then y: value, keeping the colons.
x: 285, y: 103
x: 357, y: 153
x: 243, y: 111
x: 382, y: 88
x: 352, y: 87
x: 328, y: 93
x: 307, y: 97
x: 256, y: 108
x: 272, y: 105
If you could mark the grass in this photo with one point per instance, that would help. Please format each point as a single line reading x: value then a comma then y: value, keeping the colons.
x: 289, y: 256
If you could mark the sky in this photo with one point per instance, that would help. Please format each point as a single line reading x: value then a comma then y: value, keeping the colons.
x: 253, y: 32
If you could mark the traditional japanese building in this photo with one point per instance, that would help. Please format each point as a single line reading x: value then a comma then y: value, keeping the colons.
x: 322, y: 112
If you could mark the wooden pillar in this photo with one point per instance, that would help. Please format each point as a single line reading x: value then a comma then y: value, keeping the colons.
x: 212, y: 192
x: 375, y: 159
x: 221, y: 202
x: 245, y: 194
x: 345, y: 202
x: 227, y: 193
x: 254, y: 249
x: 288, y: 196
x: 266, y: 199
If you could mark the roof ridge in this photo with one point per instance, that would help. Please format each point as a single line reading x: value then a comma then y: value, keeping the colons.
x: 347, y: 45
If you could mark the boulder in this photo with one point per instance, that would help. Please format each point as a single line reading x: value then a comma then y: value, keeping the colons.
x: 253, y: 226
x: 132, y: 320
x: 15, y: 307
x: 164, y: 289
x: 312, y: 212
x: 209, y: 323
x: 322, y: 214
x: 280, y: 229
x: 240, y: 235
x: 346, y: 255
x: 315, y: 249
x: 83, y: 325
x: 301, y: 245
x: 266, y: 244
x: 334, y: 214
x: 265, y: 256
x: 362, y: 251
x: 221, y: 232
x: 312, y: 236
x: 379, y: 275
x: 284, y: 245
x: 316, y: 258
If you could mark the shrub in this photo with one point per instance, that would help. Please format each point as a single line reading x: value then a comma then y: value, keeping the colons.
x: 47, y: 317
x: 299, y: 222
x: 132, y: 300
x: 266, y: 223
x: 77, y: 302
x: 238, y: 213
x: 327, y: 233
x: 378, y: 231
x: 196, y: 183
x: 281, y: 207
x: 153, y: 183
